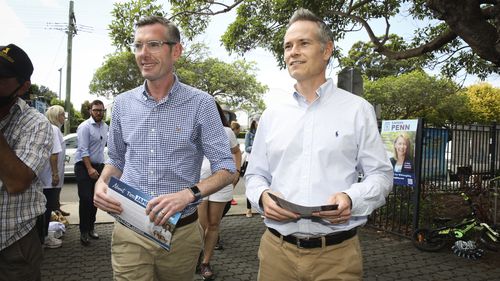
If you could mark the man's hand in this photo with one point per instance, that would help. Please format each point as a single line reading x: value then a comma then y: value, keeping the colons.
x: 160, y: 208
x: 93, y: 173
x: 273, y: 211
x: 343, y: 212
x: 103, y: 201
x: 55, y: 179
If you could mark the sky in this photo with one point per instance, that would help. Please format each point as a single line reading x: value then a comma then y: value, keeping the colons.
x: 33, y: 25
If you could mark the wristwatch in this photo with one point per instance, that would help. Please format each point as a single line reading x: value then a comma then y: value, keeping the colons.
x: 196, y: 192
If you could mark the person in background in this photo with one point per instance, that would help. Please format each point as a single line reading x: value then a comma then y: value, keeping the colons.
x: 159, y: 133
x: 25, y: 147
x: 402, y: 161
x: 310, y: 150
x: 212, y: 207
x: 235, y: 126
x: 92, y: 135
x: 249, y: 137
x: 53, y: 172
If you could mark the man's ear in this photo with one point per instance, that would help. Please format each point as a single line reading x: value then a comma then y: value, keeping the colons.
x: 327, y: 53
x: 177, y: 51
x: 24, y: 88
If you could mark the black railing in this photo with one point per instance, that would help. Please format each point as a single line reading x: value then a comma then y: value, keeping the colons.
x: 451, y: 158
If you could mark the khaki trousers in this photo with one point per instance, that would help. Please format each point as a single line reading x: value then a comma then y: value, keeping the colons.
x: 280, y: 260
x: 135, y: 257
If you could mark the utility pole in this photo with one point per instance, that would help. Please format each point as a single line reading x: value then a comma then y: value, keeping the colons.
x: 71, y: 32
x: 60, y: 79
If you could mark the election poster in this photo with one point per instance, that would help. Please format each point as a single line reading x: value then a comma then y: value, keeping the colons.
x: 399, y: 138
x: 134, y: 202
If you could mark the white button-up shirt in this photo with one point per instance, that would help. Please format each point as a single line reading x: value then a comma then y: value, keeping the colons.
x: 308, y: 152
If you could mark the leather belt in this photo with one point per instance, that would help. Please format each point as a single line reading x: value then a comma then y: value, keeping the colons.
x: 187, y: 219
x: 316, y: 242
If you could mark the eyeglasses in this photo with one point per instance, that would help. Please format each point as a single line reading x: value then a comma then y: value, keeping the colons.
x: 153, y: 46
x: 98, y: 110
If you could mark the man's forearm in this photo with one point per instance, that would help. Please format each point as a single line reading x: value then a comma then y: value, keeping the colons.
x: 15, y: 175
x: 215, y: 182
x: 53, y: 163
x: 108, y: 172
x: 87, y: 163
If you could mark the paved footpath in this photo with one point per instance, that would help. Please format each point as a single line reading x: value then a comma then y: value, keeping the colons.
x: 386, y: 257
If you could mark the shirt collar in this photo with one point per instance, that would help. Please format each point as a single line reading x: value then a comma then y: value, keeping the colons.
x: 322, y: 93
x: 146, y: 95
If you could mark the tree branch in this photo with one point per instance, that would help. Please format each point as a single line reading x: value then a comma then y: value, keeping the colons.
x: 210, y: 13
x: 444, y: 38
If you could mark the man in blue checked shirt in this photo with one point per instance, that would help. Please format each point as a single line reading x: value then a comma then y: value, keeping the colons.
x: 158, y: 136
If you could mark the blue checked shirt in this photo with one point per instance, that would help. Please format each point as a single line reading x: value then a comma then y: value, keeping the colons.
x: 159, y: 146
x: 29, y: 135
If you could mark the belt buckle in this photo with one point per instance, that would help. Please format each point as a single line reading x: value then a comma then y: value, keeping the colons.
x: 297, y: 242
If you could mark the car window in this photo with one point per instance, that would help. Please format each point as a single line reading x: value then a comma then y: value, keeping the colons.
x: 71, y: 143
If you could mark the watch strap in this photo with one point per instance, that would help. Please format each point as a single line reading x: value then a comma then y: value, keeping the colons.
x: 196, y: 192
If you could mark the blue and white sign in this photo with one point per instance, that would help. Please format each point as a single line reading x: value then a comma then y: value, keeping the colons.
x: 399, y: 137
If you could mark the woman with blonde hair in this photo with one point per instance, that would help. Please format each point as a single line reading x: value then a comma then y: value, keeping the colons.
x: 402, y: 161
x: 52, y: 175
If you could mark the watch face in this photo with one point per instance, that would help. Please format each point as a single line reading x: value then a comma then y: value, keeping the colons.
x: 196, y: 191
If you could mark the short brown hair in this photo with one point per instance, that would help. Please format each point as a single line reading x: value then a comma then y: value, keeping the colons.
x: 324, y: 33
x: 172, y: 34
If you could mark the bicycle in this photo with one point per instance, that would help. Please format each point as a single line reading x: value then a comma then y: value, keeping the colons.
x: 433, y: 240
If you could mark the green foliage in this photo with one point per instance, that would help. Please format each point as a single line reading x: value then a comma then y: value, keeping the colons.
x: 41, y: 92
x: 119, y: 73
x: 84, y: 110
x: 463, y: 44
x: 484, y: 102
x: 373, y: 65
x: 125, y: 15
x: 233, y: 84
x: 417, y: 94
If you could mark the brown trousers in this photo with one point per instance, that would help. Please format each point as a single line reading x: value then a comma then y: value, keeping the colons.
x: 280, y: 260
x: 135, y: 257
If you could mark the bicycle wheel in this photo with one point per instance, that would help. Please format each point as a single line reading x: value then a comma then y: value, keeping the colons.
x: 428, y: 240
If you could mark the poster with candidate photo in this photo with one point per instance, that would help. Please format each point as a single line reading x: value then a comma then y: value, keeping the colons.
x: 399, y: 138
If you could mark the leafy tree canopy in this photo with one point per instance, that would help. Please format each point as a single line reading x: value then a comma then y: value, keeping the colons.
x: 125, y: 15
x: 41, y: 92
x: 84, y: 110
x: 417, y: 94
x: 233, y: 84
x: 484, y: 102
x: 374, y: 65
x: 460, y: 35
x: 119, y: 73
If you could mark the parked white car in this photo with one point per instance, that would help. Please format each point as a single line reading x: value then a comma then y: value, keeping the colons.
x: 69, y: 161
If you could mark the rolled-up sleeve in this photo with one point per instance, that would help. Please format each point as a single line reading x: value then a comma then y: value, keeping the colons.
x: 116, y: 145
x: 215, y: 142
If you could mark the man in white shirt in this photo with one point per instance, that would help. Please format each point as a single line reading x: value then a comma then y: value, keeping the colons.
x: 310, y: 151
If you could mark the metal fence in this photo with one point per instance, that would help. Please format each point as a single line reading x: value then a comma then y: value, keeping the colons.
x: 451, y: 158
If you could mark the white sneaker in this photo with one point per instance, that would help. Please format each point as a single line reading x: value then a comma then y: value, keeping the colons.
x: 51, y: 242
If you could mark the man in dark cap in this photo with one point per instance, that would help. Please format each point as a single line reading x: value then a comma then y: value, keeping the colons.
x: 25, y: 146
